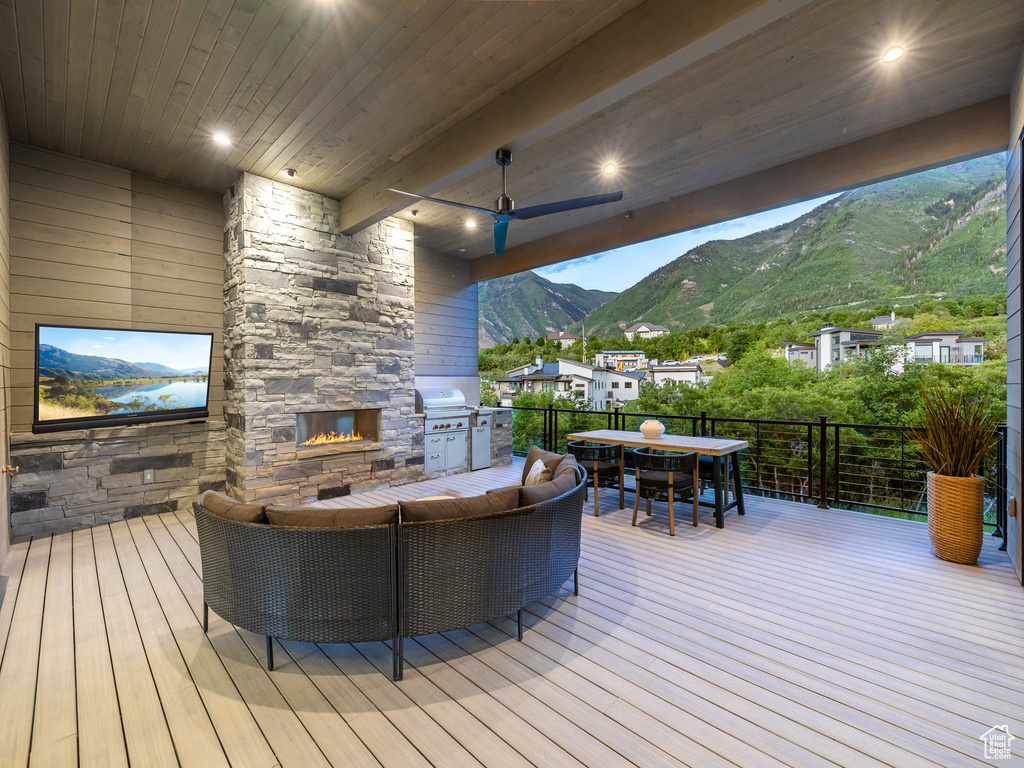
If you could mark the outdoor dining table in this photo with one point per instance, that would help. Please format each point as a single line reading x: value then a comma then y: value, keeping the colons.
x: 720, y: 450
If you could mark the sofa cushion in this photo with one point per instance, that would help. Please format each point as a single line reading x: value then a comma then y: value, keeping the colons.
x: 452, y: 509
x: 534, y: 494
x: 567, y: 465
x: 539, y: 454
x: 538, y: 474
x: 314, y: 517
x: 225, y: 506
x: 505, y: 488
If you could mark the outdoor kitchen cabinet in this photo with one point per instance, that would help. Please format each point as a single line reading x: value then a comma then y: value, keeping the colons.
x: 445, y: 451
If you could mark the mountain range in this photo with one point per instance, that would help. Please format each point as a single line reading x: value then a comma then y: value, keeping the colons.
x: 941, y: 231
x: 525, y: 304
x: 54, y: 360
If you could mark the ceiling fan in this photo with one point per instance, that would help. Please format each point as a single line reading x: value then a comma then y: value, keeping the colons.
x: 505, y: 208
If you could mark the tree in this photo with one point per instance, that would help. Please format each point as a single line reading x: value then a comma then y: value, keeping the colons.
x: 739, y: 342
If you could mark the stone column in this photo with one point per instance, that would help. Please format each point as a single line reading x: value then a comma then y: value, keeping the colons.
x: 314, y: 320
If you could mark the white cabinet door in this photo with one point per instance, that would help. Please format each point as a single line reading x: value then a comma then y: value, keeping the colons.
x: 456, y: 451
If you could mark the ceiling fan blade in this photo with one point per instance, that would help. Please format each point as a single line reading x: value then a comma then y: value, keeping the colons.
x: 476, y: 208
x: 544, y: 209
x: 500, y: 233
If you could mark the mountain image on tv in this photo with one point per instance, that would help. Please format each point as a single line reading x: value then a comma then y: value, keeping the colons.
x: 85, y: 373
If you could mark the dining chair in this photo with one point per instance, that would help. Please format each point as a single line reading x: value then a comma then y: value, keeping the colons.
x: 603, y: 463
x: 666, y: 475
x: 706, y: 471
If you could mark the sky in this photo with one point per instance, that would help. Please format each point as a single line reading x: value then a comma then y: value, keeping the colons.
x: 181, y: 351
x: 618, y: 269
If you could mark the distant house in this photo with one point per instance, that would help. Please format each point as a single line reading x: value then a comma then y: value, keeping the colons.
x: 621, y: 359
x: 833, y: 345
x: 801, y: 351
x: 883, y: 322
x: 951, y: 347
x: 680, y: 373
x: 563, y: 338
x: 600, y: 386
x: 644, y: 331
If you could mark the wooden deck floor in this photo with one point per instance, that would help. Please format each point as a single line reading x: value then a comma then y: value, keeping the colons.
x: 792, y: 637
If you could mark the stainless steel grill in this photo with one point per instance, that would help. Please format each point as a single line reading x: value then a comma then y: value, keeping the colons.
x: 446, y: 421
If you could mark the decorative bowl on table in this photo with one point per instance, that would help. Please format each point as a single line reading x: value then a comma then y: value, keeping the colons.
x: 652, y: 429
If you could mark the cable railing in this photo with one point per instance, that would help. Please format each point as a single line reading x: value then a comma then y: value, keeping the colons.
x: 866, y: 467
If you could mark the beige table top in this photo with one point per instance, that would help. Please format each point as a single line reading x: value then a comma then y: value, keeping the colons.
x: 708, y: 446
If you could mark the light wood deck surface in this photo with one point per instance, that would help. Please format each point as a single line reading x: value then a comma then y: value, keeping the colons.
x: 793, y: 637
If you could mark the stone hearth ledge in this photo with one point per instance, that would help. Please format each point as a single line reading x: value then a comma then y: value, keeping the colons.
x: 85, y: 477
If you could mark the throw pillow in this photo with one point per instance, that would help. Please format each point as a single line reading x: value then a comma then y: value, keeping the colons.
x: 453, y: 509
x: 538, y: 474
x: 314, y: 517
x: 225, y: 506
x: 567, y: 465
x: 539, y: 454
x: 534, y: 494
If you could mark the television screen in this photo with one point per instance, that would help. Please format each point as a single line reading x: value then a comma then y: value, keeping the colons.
x: 89, y: 377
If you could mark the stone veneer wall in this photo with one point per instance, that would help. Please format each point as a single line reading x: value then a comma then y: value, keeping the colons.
x: 314, y: 320
x: 77, y: 479
x: 501, y: 436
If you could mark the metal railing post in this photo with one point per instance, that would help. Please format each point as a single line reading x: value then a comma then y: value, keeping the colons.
x: 703, y: 423
x: 548, y: 438
x: 823, y: 460
x: 835, y: 467
x: 1001, y: 487
x: 618, y: 425
x: 810, y: 462
x: 757, y: 451
x: 903, y: 471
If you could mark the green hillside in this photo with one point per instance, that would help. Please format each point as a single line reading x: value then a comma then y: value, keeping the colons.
x: 941, y: 231
x: 527, y: 305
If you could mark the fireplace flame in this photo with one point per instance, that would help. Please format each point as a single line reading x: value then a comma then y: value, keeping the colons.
x: 332, y: 437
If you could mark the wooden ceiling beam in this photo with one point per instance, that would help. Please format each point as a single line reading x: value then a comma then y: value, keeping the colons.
x: 645, y: 45
x: 961, y: 134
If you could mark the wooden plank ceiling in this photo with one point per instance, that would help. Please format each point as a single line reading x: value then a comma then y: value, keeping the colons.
x: 343, y: 91
x: 809, y: 82
x: 335, y: 90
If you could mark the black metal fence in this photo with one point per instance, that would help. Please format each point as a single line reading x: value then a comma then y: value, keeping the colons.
x: 866, y: 467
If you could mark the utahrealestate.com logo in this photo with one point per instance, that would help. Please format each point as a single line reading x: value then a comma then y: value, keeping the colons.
x: 997, y: 740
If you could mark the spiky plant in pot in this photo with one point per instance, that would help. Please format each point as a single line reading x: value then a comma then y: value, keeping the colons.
x: 956, y: 435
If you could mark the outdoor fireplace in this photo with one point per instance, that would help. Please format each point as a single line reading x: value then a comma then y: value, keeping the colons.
x: 324, y: 428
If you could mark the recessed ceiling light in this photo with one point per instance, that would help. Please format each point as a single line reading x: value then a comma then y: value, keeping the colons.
x: 462, y: 250
x: 470, y: 223
x: 609, y: 168
x: 893, y: 53
x: 289, y: 172
x: 222, y: 138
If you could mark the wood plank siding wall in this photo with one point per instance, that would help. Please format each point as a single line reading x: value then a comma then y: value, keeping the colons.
x: 5, y: 323
x: 100, y: 246
x: 1013, y: 307
x: 447, y: 320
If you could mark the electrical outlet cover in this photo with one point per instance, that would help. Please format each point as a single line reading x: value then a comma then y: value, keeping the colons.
x: 148, y: 476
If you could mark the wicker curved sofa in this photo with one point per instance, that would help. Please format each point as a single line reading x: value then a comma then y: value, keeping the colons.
x: 387, y: 582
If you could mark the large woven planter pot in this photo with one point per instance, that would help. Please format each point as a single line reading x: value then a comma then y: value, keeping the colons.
x: 955, y: 509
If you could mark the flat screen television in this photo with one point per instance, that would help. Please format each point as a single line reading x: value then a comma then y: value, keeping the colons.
x: 104, y: 377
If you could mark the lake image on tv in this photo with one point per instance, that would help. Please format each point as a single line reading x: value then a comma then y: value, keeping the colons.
x: 171, y: 394
x: 86, y: 373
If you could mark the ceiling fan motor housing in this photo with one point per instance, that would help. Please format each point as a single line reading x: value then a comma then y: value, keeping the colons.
x: 504, y: 204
